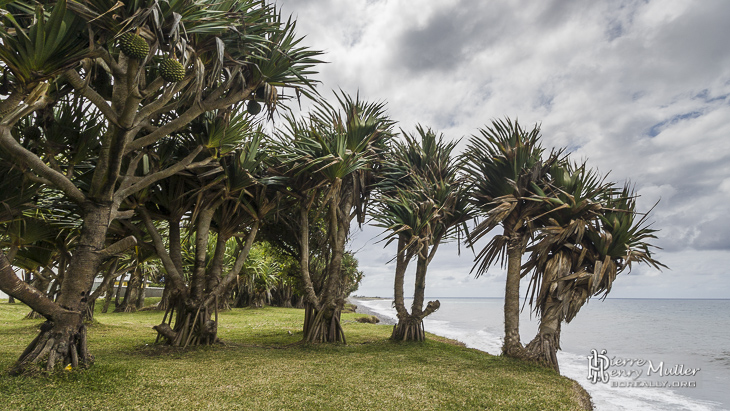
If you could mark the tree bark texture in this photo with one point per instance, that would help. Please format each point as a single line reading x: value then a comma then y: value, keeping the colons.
x: 194, y: 323
x: 323, y: 325
x: 61, y: 343
x: 193, y: 326
x: 512, y: 346
x: 544, y: 347
x: 410, y: 325
x: 409, y: 329
x: 62, y: 339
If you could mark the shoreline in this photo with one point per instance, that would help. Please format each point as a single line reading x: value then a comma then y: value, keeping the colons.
x: 361, y: 309
x: 581, y: 394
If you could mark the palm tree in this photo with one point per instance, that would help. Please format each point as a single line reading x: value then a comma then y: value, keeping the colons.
x: 331, y: 159
x: 423, y: 203
x: 503, y: 164
x: 189, y: 58
x: 589, y: 233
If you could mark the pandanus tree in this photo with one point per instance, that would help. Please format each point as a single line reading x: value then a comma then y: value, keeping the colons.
x: 231, y: 203
x: 423, y: 202
x: 589, y: 233
x: 148, y: 68
x: 331, y: 159
x: 504, y: 163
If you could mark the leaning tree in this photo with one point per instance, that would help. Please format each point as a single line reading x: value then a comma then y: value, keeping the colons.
x: 331, y: 159
x: 423, y: 202
x: 504, y: 164
x: 149, y: 69
x: 590, y: 231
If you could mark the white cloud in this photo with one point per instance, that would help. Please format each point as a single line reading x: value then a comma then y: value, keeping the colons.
x: 635, y: 87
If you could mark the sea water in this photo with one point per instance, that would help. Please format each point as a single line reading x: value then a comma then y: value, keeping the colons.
x: 664, y: 354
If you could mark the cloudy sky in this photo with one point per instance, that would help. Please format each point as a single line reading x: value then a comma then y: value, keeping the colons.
x: 637, y: 88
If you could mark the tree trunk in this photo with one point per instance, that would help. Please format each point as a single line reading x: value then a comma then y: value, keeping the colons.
x: 512, y: 346
x: 323, y: 326
x: 193, y: 322
x: 401, y: 264
x: 213, y: 276
x: 322, y: 323
x: 129, y: 302
x: 410, y: 326
x: 544, y: 347
x: 283, y: 295
x: 193, y: 325
x: 108, y: 298
x: 419, y: 290
x: 202, y: 230
x: 409, y: 329
x: 61, y: 343
x: 141, y: 294
x: 118, y: 293
x: 62, y: 339
x: 164, y: 303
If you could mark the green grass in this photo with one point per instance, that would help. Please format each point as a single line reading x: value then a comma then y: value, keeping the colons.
x: 258, y: 369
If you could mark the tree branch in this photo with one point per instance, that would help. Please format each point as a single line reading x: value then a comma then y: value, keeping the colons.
x: 153, y: 87
x: 176, y: 276
x: 119, y: 247
x: 155, y: 177
x: 12, y: 110
x: 122, y: 214
x: 158, y: 105
x: 36, y: 300
x: 189, y: 115
x: 24, y: 156
x: 109, y: 61
x: 95, y: 98
x: 34, y: 178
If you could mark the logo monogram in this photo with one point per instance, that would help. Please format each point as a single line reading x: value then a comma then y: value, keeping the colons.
x: 598, y: 367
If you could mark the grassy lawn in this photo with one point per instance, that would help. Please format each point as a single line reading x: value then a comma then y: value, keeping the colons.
x: 258, y: 369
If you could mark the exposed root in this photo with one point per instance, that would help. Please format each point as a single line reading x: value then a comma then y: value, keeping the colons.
x: 126, y: 308
x: 33, y: 315
x: 190, y: 328
x: 55, y: 347
x: 323, y: 326
x: 543, y: 349
x: 513, y: 348
x: 409, y: 329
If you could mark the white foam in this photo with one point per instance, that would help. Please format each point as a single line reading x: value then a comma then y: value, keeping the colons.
x: 606, y: 397
x: 572, y: 365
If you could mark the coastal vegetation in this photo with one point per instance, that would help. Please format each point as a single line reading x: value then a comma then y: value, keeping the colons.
x: 134, y: 126
x: 422, y: 203
x: 579, y: 230
x: 132, y: 141
x: 331, y: 159
x: 503, y: 163
x: 257, y: 368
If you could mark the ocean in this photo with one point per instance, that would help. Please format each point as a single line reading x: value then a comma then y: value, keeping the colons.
x: 659, y: 354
